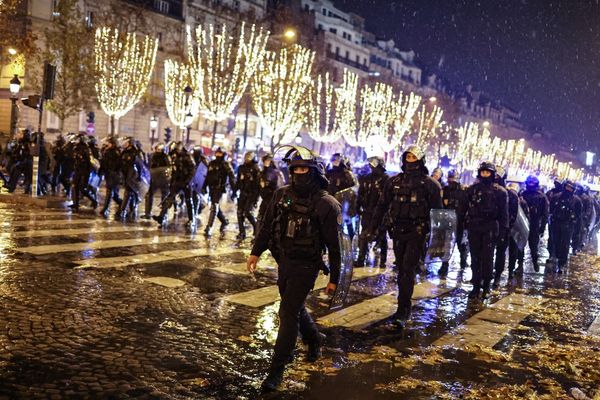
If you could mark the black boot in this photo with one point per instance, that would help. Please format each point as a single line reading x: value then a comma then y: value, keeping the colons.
x: 314, y: 348
x: 486, y: 290
x: 401, y: 316
x: 444, y: 270
x: 211, y: 221
x: 474, y: 294
x: 273, y: 379
x: 253, y: 223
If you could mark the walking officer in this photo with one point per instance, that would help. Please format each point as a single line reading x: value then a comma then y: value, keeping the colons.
x: 454, y: 197
x: 301, y: 222
x: 565, y: 213
x: 504, y: 237
x: 219, y: 174
x: 407, y: 200
x: 248, y: 183
x: 184, y: 169
x: 537, y: 202
x: 110, y: 168
x: 486, y: 221
x: 83, y: 169
x: 370, y: 190
x: 158, y: 159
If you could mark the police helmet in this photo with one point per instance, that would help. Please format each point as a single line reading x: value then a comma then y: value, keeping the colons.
x: 452, y: 174
x: 376, y: 161
x: 568, y: 185
x: 487, y: 166
x: 416, y: 151
x: 249, y: 157
x: 220, y: 150
x: 267, y: 156
x: 299, y: 156
x: 532, y: 181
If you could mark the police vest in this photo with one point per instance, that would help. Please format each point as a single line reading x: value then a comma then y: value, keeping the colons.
x: 483, y: 204
x: 563, y: 210
x: 296, y: 233
x: 410, y: 201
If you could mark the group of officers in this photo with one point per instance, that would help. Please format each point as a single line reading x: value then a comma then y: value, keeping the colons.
x: 300, y: 222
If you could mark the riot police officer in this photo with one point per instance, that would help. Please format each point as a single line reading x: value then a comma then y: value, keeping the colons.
x: 158, y: 159
x: 248, y: 184
x: 184, y: 169
x: 339, y: 175
x: 199, y: 203
x: 22, y: 163
x: 83, y: 168
x: 133, y: 169
x: 454, y: 197
x: 587, y: 216
x: 515, y: 254
x: 301, y: 221
x: 59, y: 157
x: 271, y: 179
x: 407, y: 201
x: 537, y: 203
x: 486, y: 221
x: 565, y: 212
x: 219, y: 174
x: 111, y: 170
x: 504, y: 237
x: 370, y: 190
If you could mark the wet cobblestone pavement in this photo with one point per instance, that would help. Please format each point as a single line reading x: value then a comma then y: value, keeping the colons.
x: 102, y: 309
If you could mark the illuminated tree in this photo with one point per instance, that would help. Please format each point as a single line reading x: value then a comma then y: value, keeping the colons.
x: 181, y: 106
x: 428, y: 123
x: 224, y: 64
x: 279, y: 89
x: 124, y: 65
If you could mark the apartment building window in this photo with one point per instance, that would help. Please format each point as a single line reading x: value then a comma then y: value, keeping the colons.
x: 347, y: 55
x: 89, y: 19
x: 320, y: 27
x: 344, y: 35
x: 349, y: 37
x: 329, y: 47
x: 306, y: 7
x: 357, y: 59
x: 333, y: 30
x: 337, y: 51
x: 161, y: 6
x: 236, y: 5
x: 324, y: 12
x: 364, y: 61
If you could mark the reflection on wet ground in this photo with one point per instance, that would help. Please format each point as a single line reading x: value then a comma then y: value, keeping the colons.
x: 104, y: 309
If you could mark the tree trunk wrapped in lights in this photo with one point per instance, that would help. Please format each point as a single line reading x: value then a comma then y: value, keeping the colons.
x: 428, y: 123
x: 224, y: 64
x: 180, y: 105
x: 377, y: 113
x: 279, y: 90
x: 124, y: 64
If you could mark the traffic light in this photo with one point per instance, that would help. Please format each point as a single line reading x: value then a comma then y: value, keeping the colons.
x: 33, y: 101
x: 49, y: 78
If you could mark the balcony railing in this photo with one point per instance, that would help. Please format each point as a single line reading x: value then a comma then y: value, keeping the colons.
x: 347, y: 61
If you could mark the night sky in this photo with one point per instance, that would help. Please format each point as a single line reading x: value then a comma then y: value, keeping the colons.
x: 537, y: 56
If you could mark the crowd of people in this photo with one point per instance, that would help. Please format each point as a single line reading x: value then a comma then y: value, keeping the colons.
x: 301, y: 221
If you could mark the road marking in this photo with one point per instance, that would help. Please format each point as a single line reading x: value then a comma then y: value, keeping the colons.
x: 148, y: 258
x: 365, y: 313
x: 165, y: 281
x: 270, y: 294
x: 594, y: 328
x: 41, y: 213
x: 489, y: 326
x: 101, y: 244
x: 78, y: 231
x: 29, y: 223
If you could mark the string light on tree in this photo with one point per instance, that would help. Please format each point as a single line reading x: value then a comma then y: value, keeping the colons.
x: 427, y: 124
x: 223, y: 64
x: 405, y: 110
x: 178, y: 76
x: 124, y: 64
x: 279, y: 90
x: 324, y: 109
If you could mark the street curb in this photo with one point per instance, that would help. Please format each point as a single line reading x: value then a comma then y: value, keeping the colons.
x: 43, y: 202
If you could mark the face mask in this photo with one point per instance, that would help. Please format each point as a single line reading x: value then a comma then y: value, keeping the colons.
x: 488, y: 180
x: 302, y: 183
x: 219, y: 157
x: 411, y: 166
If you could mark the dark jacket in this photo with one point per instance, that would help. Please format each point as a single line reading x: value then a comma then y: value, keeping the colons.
x: 370, y: 190
x: 340, y: 178
x: 538, y: 209
x: 487, y: 208
x: 248, y: 180
x: 219, y: 173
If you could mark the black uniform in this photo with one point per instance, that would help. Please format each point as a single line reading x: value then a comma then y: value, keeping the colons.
x: 565, y: 212
x: 199, y: 203
x: 22, y: 164
x: 184, y: 170
x: 587, y: 216
x: 340, y: 178
x: 454, y: 197
x: 132, y: 166
x: 341, y: 186
x: 158, y: 159
x: 58, y: 172
x: 486, y: 220
x: 370, y: 190
x: 504, y: 241
x: 248, y: 183
x: 555, y: 191
x: 537, y: 202
x: 111, y: 170
x: 81, y: 177
x: 406, y: 204
x: 219, y: 173
x: 297, y: 230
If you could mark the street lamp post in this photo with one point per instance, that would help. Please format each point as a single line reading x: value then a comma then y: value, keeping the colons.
x: 153, y: 126
x: 188, y: 93
x: 15, y: 87
x: 189, y: 118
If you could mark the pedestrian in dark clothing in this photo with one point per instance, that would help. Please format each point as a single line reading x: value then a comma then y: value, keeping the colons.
x: 112, y: 171
x: 486, y: 221
x: 565, y: 214
x: 407, y: 201
x: 537, y: 203
x: 301, y: 222
x: 504, y: 241
x: 220, y: 173
x: 516, y: 256
x: 454, y: 197
x: 83, y: 168
x: 158, y: 159
x: 271, y: 179
x: 248, y: 184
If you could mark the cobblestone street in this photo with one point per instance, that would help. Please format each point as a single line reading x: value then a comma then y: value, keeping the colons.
x: 92, y: 308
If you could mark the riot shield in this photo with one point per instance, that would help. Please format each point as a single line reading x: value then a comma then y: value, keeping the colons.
x: 94, y: 181
x: 343, y: 287
x: 348, y: 200
x: 161, y: 177
x: 592, y: 219
x: 520, y: 229
x: 199, y: 178
x: 442, y: 236
x: 139, y: 182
